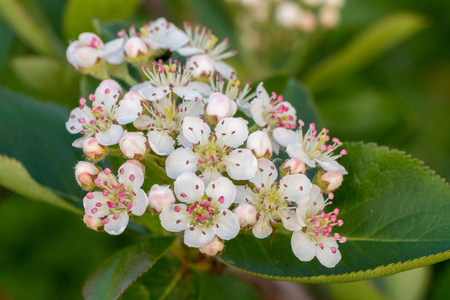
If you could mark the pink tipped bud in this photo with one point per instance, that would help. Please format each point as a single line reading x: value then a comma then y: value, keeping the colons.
x: 160, y: 196
x: 85, y: 174
x: 293, y: 166
x: 246, y: 214
x: 93, y: 223
x: 202, y: 66
x: 259, y: 143
x: 134, y: 145
x: 93, y: 150
x: 85, y: 53
x: 219, y: 106
x: 328, y: 181
x: 213, y: 248
x: 136, y: 49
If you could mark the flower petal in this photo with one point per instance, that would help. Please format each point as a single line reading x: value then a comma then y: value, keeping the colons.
x: 227, y: 225
x: 241, y: 164
x: 262, y: 228
x: 325, y: 255
x: 295, y: 187
x: 131, y: 176
x: 244, y: 194
x: 153, y: 93
x: 198, y: 237
x: 266, y: 173
x: 111, y: 136
x: 224, y: 69
x: 160, y: 142
x: 296, y: 151
x: 96, y: 206
x: 209, y: 175
x: 187, y: 92
x: 180, y: 161
x: 113, y: 51
x: 290, y: 221
x: 117, y: 226
x: 128, y: 110
x: 332, y: 166
x: 302, y: 246
x: 189, y: 188
x: 174, y: 217
x: 195, y: 130
x: 232, y: 132
x: 140, y: 203
x: 285, y: 137
x: 189, y: 51
x: 257, y: 110
x: 223, y: 191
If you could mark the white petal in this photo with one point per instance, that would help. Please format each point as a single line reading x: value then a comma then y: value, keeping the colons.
x: 262, y: 94
x: 78, y: 143
x: 304, y: 204
x: 285, y: 137
x: 203, y: 88
x: 195, y: 130
x: 223, y: 191
x: 290, y: 222
x: 243, y: 194
x: 128, y: 110
x: 96, y: 210
x: 180, y: 161
x: 224, y: 69
x: 241, y: 164
x: 182, y: 141
x: 143, y: 122
x: 174, y: 38
x: 266, y: 173
x: 140, y: 203
x: 173, y: 220
x: 232, y: 132
x: 107, y: 93
x: 325, y: 256
x: 113, y: 51
x: 332, y: 166
x: 131, y: 176
x: 262, y: 228
x: 198, y: 237
x: 210, y: 175
x: 296, y: 151
x: 187, y: 92
x: 227, y: 225
x: 302, y: 246
x: 295, y: 186
x: 160, y: 142
x: 193, y: 108
x: 189, y: 51
x: 189, y: 188
x: 153, y: 93
x: 110, y: 136
x: 116, y: 227
x: 257, y: 110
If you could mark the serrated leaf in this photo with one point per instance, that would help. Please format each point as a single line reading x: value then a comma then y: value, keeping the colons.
x: 364, y: 48
x: 15, y: 177
x: 78, y: 14
x: 395, y: 214
x: 34, y: 133
x: 113, y: 277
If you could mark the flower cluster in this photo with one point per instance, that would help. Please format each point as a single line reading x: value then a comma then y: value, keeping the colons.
x: 181, y: 122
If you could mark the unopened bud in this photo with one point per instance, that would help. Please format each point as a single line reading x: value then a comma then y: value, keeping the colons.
x: 328, y: 181
x: 93, y: 150
x: 85, y: 174
x: 85, y: 54
x: 93, y: 223
x: 137, y: 164
x: 293, y: 166
x: 259, y: 143
x: 202, y: 66
x: 246, y: 214
x: 159, y: 197
x: 287, y: 14
x: 136, y: 50
x: 213, y: 248
x: 218, y: 107
x: 329, y: 16
x: 134, y: 145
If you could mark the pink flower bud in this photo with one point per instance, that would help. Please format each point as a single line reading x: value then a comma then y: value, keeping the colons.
x: 202, y: 66
x: 328, y: 181
x: 159, y: 197
x: 136, y: 49
x: 85, y: 174
x: 93, y: 150
x: 136, y: 163
x: 293, y: 166
x: 93, y: 223
x: 246, y: 214
x: 329, y: 16
x: 85, y: 53
x: 259, y: 143
x: 213, y: 248
x: 219, y: 106
x: 134, y: 145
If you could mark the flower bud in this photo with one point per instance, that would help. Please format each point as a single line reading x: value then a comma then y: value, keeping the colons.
x: 202, y: 66
x: 93, y: 150
x: 259, y: 143
x: 329, y: 16
x: 159, y: 197
x: 137, y: 164
x: 85, y: 174
x: 136, y: 50
x: 287, y: 14
x: 293, y: 166
x: 134, y: 145
x: 218, y: 107
x: 307, y: 22
x: 213, y: 248
x: 246, y: 214
x: 93, y: 223
x: 328, y: 181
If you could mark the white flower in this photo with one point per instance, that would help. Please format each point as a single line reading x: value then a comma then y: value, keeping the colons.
x: 272, y: 112
x: 315, y: 238
x: 274, y: 200
x: 86, y: 52
x: 120, y: 197
x: 100, y: 119
x: 161, y: 34
x: 164, y: 121
x: 311, y: 148
x: 213, y: 154
x: 165, y: 79
x: 204, y: 47
x: 204, y: 213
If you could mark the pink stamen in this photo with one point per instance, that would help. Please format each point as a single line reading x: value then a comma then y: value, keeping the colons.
x: 177, y: 208
x: 107, y: 171
x: 90, y: 195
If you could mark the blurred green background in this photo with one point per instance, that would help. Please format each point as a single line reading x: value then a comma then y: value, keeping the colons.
x: 397, y: 97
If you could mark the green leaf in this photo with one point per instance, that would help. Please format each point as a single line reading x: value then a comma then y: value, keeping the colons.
x: 6, y: 36
x: 78, y: 14
x: 15, y: 177
x: 365, y: 48
x: 113, y: 277
x: 34, y: 133
x: 48, y: 76
x: 395, y: 214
